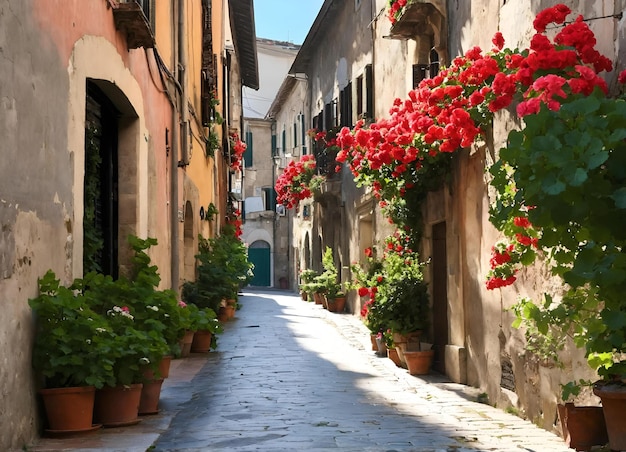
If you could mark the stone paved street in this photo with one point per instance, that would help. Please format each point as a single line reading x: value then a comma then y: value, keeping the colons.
x: 289, y: 375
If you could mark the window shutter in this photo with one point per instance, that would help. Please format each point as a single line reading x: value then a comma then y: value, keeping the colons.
x: 247, y: 155
x: 303, y: 127
x: 419, y: 73
x: 369, y: 91
x: 274, y: 147
x: 295, y: 134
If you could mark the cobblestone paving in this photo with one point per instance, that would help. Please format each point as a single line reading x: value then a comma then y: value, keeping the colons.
x: 289, y: 375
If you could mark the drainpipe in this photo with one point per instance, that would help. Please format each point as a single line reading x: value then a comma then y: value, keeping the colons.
x: 174, y: 201
x: 182, y: 76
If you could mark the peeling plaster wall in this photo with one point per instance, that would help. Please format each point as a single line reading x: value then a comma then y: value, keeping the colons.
x: 48, y: 50
x: 480, y: 319
x: 36, y: 203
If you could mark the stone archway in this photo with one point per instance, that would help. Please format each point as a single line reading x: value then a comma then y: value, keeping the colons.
x: 109, y: 74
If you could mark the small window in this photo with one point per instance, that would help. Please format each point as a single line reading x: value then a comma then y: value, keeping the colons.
x: 247, y: 155
x: 359, y: 96
x: 420, y: 72
x: 434, y: 63
x: 369, y: 91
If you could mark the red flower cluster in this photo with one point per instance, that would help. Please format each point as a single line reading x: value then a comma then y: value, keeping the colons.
x: 395, y: 9
x: 233, y: 219
x: 508, y: 258
x: 292, y: 185
x: 447, y: 113
x: 239, y: 147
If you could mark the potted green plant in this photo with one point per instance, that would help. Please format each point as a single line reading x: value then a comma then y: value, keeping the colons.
x: 329, y: 280
x: 203, y: 321
x: 576, y: 211
x: 306, y: 278
x: 404, y: 304
x: 69, y: 342
x: 223, y: 269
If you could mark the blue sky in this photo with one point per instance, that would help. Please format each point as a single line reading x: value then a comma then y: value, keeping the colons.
x: 285, y: 20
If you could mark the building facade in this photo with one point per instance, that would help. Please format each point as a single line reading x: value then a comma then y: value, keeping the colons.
x: 267, y: 244
x: 109, y: 128
x: 355, y: 63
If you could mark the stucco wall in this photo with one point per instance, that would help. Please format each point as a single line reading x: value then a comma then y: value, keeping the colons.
x: 49, y: 51
x: 480, y: 319
x: 36, y: 202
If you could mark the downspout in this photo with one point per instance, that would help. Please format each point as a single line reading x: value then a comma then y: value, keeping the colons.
x: 174, y: 202
x: 182, y: 76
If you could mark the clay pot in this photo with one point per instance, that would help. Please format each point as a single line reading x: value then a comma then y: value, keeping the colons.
x: 318, y: 298
x: 164, y: 366
x: 69, y: 409
x: 118, y: 406
x: 150, y: 395
x: 337, y: 304
x: 201, y: 342
x: 613, y: 396
x: 185, y: 344
x: 392, y: 354
x: 583, y: 426
x: 419, y: 362
x: 374, y: 344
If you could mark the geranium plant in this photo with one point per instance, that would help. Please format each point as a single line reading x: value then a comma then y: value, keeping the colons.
x: 69, y: 339
x: 294, y: 183
x: 395, y: 9
x: 560, y: 182
x: 239, y: 148
x: 408, y: 154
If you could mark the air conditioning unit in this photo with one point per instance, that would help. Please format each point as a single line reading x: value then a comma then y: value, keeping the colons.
x: 281, y: 210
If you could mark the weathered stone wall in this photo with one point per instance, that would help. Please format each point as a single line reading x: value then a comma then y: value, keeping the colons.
x: 48, y: 53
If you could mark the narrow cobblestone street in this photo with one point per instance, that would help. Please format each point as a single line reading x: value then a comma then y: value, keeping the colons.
x: 289, y: 375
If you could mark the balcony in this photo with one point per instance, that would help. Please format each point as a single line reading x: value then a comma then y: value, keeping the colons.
x: 132, y: 17
x: 421, y: 18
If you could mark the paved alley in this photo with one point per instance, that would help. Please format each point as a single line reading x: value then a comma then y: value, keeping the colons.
x: 289, y: 375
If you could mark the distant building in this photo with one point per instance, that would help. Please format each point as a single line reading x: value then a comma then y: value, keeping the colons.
x: 268, y: 249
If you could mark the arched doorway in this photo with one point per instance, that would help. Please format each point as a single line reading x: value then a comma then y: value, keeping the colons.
x: 259, y: 255
x: 100, y: 219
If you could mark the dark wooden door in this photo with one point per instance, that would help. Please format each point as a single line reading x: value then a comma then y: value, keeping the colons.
x: 440, y: 296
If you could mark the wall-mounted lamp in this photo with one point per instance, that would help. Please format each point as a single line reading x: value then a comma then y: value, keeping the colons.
x: 298, y: 76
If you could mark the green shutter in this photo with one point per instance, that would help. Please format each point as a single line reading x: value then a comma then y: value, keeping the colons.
x: 284, y: 141
x: 303, y: 126
x: 247, y: 155
x: 295, y: 134
x: 274, y: 149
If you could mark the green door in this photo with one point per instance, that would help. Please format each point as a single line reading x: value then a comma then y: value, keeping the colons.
x: 259, y: 255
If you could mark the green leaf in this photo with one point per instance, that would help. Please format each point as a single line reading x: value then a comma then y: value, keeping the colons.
x: 552, y: 186
x: 619, y: 196
x: 578, y: 177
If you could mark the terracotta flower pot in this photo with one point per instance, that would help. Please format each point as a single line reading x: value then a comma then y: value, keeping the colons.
x: 150, y: 395
x: 583, y: 426
x: 164, y: 366
x: 419, y: 362
x: 392, y: 354
x: 318, y: 298
x: 374, y: 344
x: 201, y: 342
x: 118, y: 406
x: 337, y: 304
x: 69, y: 409
x: 185, y: 344
x: 613, y: 398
